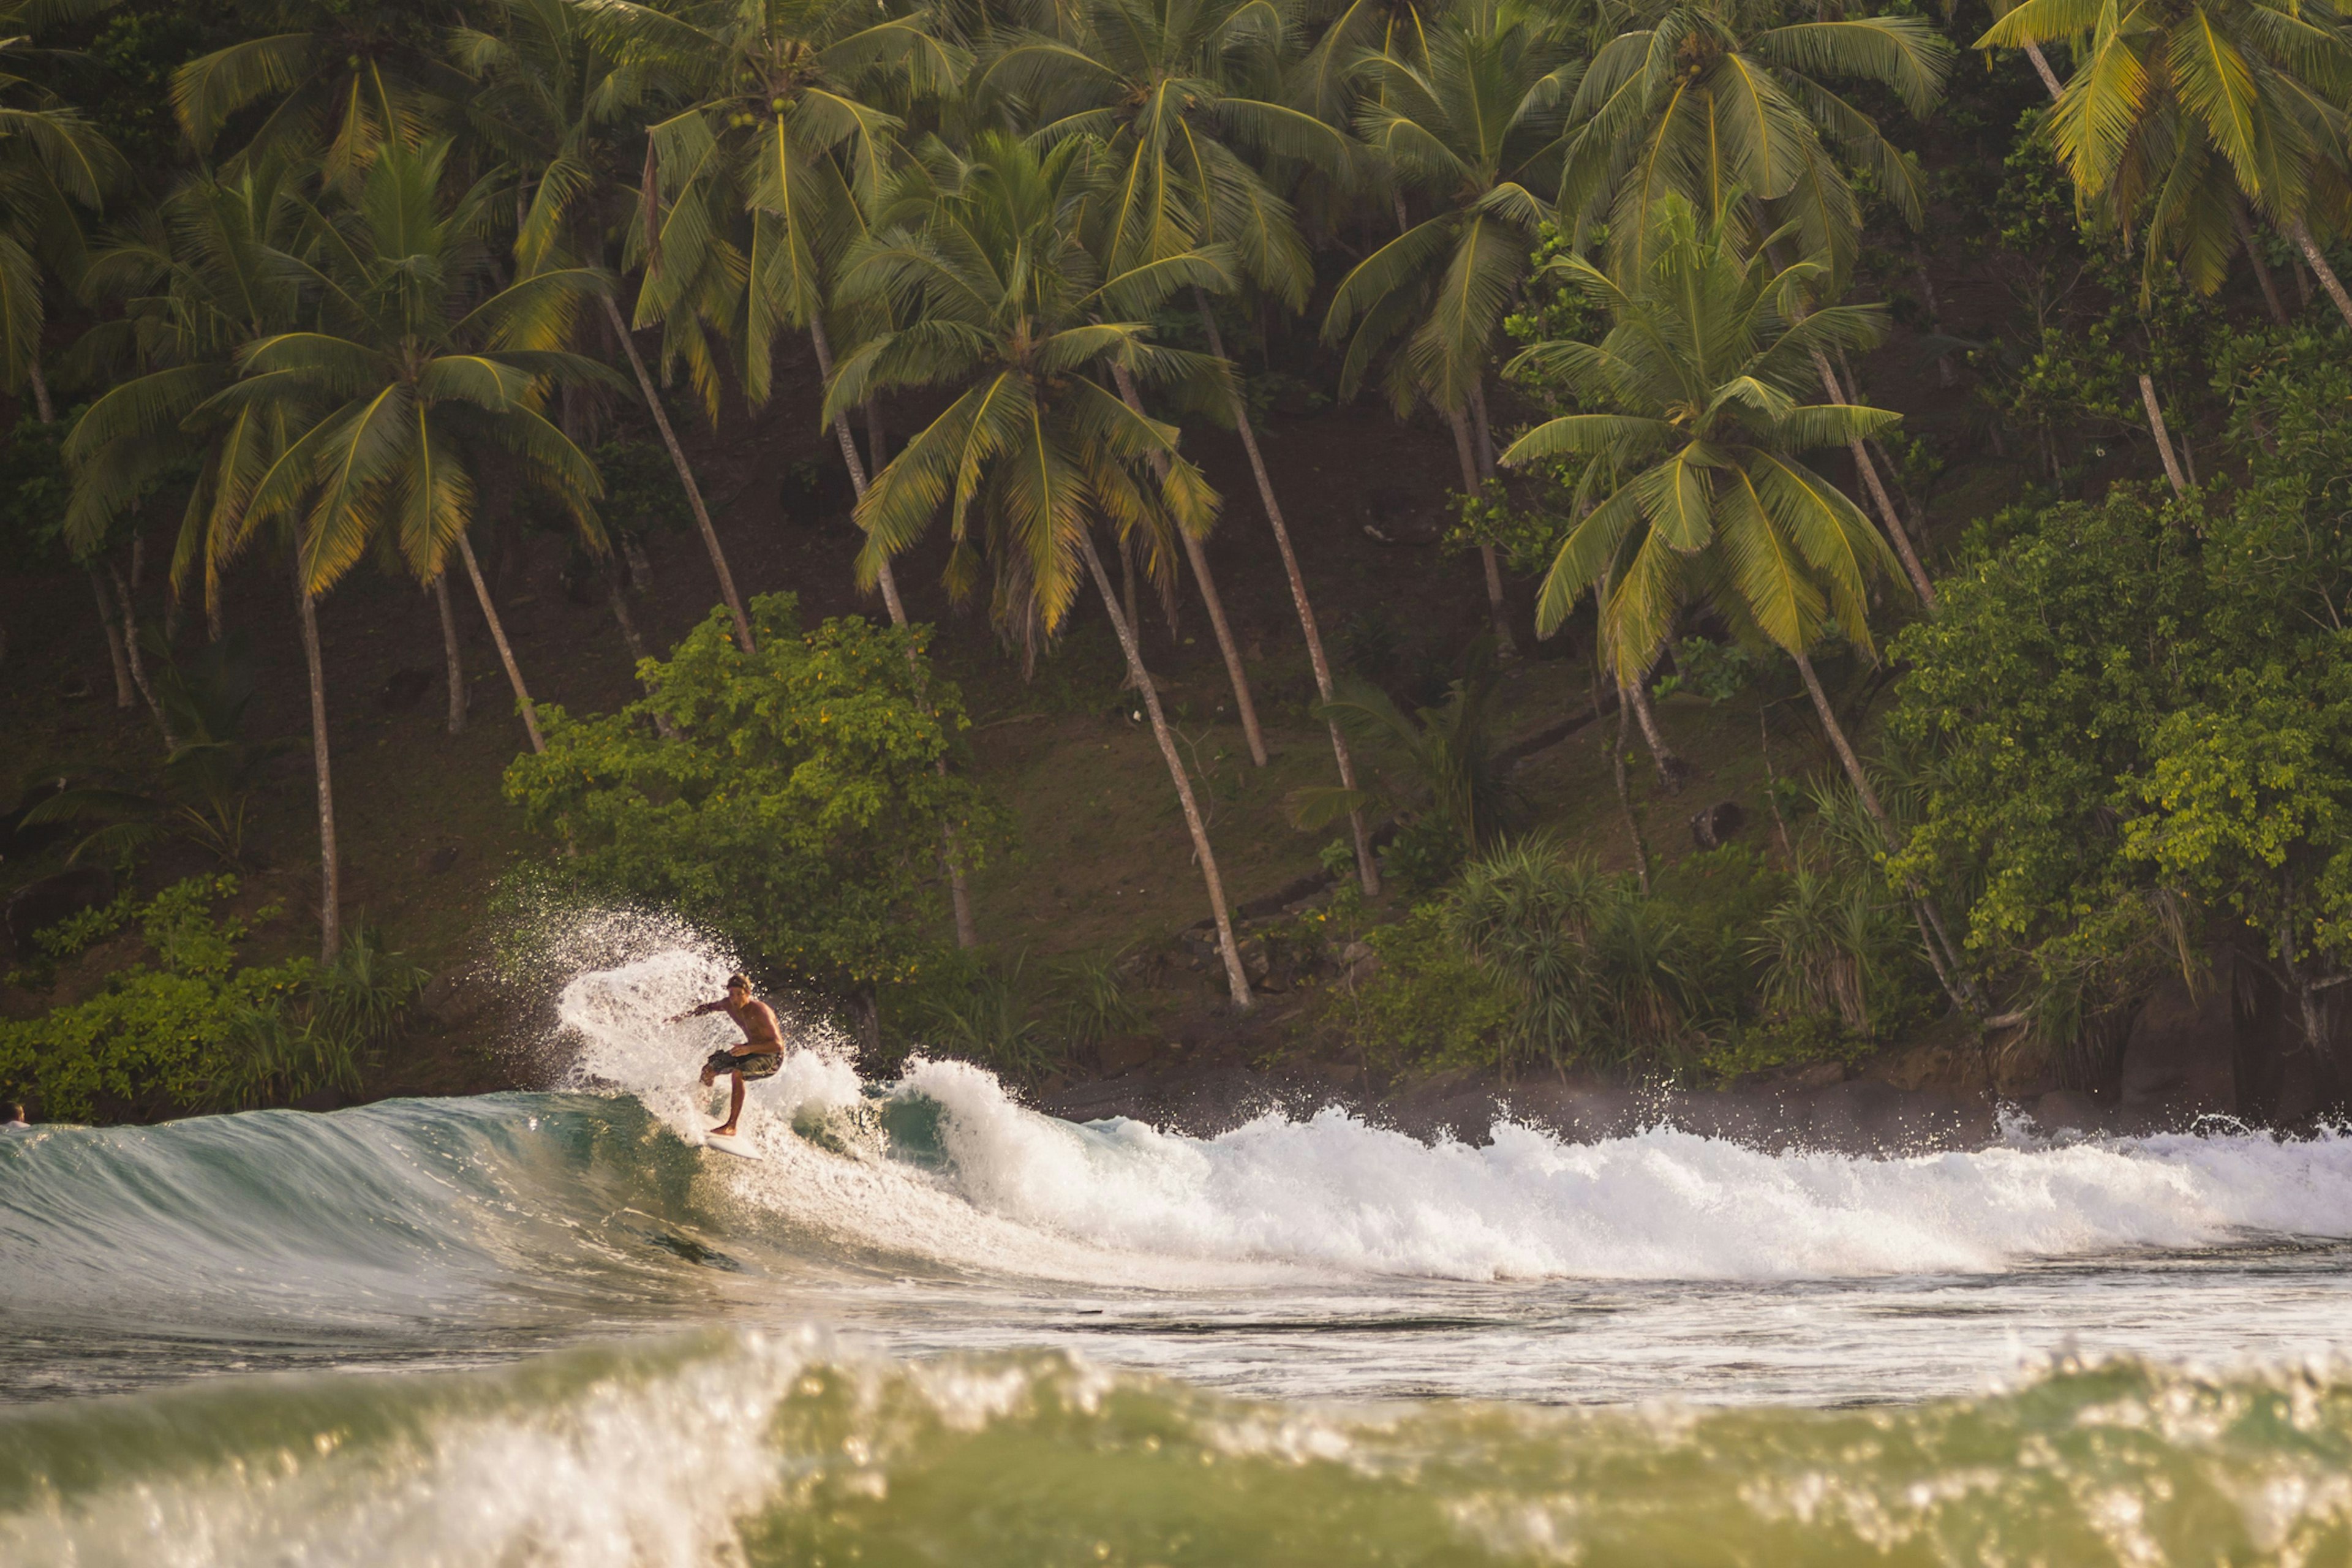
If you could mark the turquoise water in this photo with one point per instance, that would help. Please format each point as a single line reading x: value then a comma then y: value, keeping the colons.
x: 933, y: 1327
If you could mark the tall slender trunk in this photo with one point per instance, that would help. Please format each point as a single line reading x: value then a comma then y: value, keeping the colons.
x: 959, y: 894
x: 1236, y: 979
x: 43, y: 409
x: 460, y: 697
x: 1868, y: 471
x: 125, y: 692
x: 2146, y: 386
x: 1367, y: 873
x: 2042, y: 69
x: 1624, y: 740
x: 2163, y: 440
x: 2271, y: 300
x: 506, y: 654
x: 1673, y: 770
x: 330, y: 879
x: 1946, y: 376
x: 2301, y: 234
x: 1484, y: 429
x: 1463, y: 451
x: 137, y: 660
x: 1942, y: 955
x: 1243, y: 703
x: 684, y: 474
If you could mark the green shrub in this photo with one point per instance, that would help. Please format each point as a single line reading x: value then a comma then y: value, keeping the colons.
x: 796, y: 812
x: 1425, y: 1003
x: 196, y: 1031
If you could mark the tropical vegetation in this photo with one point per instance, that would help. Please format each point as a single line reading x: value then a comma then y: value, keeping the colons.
x: 308, y: 293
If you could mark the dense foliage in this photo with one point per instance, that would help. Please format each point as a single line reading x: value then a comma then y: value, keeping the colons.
x: 188, y: 1027
x: 2137, y: 716
x: 797, y: 808
x: 355, y: 284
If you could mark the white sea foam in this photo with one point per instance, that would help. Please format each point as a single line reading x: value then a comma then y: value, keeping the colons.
x: 1120, y: 1202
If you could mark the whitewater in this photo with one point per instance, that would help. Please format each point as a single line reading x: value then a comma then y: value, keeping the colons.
x: 933, y: 1324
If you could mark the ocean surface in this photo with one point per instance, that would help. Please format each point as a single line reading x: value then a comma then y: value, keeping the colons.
x: 931, y: 1327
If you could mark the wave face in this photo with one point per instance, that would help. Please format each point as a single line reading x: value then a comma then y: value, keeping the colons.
x: 757, y: 1450
x: 1076, y: 1344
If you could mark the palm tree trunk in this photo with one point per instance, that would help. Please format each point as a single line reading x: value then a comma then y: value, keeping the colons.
x: 1673, y: 770
x: 2163, y: 439
x: 125, y: 693
x: 1367, y: 873
x: 137, y: 660
x: 1946, y: 961
x: 461, y: 698
x: 506, y: 654
x: 1243, y: 703
x: 2301, y: 233
x: 684, y: 474
x: 1946, y: 376
x: 43, y: 409
x: 959, y: 895
x: 2146, y: 386
x: 1617, y: 752
x: 2262, y: 268
x: 1236, y: 979
x: 1869, y: 472
x: 2042, y: 69
x: 331, y: 881
x: 1463, y: 451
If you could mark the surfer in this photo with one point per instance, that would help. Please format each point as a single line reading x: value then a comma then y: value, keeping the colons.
x: 761, y: 1053
x: 15, y: 1122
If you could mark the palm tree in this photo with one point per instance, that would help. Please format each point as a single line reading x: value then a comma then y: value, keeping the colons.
x: 53, y: 162
x: 1706, y: 97
x: 2165, y: 93
x: 1702, y: 98
x: 1475, y: 125
x: 1699, y: 378
x: 420, y: 370
x: 555, y: 107
x: 1700, y: 375
x: 751, y: 193
x: 985, y: 262
x: 1173, y: 88
x: 1170, y: 85
x: 347, y: 77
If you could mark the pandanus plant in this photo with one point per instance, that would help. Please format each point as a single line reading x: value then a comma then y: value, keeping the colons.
x: 1003, y: 304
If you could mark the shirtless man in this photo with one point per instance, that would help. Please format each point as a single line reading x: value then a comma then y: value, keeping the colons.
x: 760, y: 1055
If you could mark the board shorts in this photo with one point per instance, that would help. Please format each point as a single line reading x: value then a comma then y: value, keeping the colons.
x: 751, y: 1064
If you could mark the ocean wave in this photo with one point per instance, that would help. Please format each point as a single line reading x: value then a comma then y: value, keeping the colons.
x: 759, y: 1449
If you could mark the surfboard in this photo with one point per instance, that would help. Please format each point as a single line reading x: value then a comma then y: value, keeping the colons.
x: 736, y: 1146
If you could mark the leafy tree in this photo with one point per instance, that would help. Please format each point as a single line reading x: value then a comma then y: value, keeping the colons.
x: 2140, y: 726
x: 1474, y: 124
x: 986, y: 264
x: 797, y: 810
x: 1447, y: 750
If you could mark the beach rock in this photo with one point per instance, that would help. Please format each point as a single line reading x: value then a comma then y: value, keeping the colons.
x: 2178, y: 1061
x: 404, y: 689
x: 1714, y: 827
x: 36, y: 906
x: 2069, y: 1111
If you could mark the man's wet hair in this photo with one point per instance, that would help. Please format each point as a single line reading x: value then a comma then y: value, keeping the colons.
x: 738, y: 982
x: 16, y: 1111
